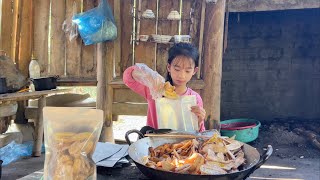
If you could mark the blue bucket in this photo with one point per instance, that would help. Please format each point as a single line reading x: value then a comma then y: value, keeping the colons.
x: 246, y: 130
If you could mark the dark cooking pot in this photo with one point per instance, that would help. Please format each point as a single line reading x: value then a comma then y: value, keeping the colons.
x: 45, y: 83
x: 139, y: 149
x: 3, y: 86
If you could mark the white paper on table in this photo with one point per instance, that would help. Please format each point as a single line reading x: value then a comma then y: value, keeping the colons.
x: 111, y: 161
x: 105, y: 150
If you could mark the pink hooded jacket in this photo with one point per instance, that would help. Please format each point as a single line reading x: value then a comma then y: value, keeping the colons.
x: 144, y: 91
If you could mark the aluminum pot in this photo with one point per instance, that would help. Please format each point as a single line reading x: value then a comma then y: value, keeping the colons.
x: 139, y: 149
x: 45, y: 83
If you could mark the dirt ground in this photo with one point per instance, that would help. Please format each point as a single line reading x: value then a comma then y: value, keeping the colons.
x: 293, y: 158
x: 285, y: 142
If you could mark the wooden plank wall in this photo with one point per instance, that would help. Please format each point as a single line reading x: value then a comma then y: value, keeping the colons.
x: 7, y: 27
x: 11, y: 28
x: 150, y: 53
x: 76, y: 63
x: 42, y: 34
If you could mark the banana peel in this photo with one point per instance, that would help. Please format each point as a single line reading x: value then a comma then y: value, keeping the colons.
x: 169, y: 91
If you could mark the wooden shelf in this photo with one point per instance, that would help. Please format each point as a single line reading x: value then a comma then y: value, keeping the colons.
x: 149, y: 41
x: 162, y: 19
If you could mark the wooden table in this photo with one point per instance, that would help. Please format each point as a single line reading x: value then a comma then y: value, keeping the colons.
x: 129, y: 171
x: 41, y: 95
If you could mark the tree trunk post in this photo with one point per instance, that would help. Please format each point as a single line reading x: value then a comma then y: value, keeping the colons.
x: 212, y: 66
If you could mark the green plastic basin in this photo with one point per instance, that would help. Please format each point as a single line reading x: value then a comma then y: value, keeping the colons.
x: 242, y: 133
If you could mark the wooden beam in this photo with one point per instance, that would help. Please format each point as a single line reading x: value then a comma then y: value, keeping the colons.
x: 193, y: 84
x: 88, y: 54
x: 271, y: 5
x: 25, y: 38
x: 36, y: 151
x: 104, y: 91
x: 77, y: 81
x: 57, y: 38
x: 203, y: 13
x: 118, y: 109
x: 29, y: 95
x: 130, y: 109
x: 213, y: 46
x: 17, y: 11
x: 117, y: 42
x: 6, y: 28
x: 73, y: 48
x: 41, y: 10
x: 127, y: 95
x: 101, y: 78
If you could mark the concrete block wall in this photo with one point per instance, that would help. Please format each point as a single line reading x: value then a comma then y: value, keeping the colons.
x: 271, y: 68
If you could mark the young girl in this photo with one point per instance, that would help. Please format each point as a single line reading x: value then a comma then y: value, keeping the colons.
x: 182, y: 65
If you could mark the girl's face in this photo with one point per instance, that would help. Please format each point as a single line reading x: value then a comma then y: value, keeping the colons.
x: 181, y: 70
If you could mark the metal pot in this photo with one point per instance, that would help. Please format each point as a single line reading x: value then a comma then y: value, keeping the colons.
x: 139, y: 149
x: 45, y: 83
x: 3, y: 86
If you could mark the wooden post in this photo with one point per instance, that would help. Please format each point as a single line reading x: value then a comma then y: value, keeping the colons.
x: 39, y: 128
x: 212, y: 67
x: 106, y: 55
x: 104, y: 92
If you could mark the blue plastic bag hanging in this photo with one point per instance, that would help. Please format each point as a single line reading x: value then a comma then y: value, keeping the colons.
x: 97, y: 24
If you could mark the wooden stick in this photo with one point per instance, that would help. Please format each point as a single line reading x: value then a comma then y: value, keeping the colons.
x: 310, y: 135
x: 175, y: 135
x: 138, y: 25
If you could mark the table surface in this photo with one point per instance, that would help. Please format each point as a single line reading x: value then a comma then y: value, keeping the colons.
x: 29, y: 95
x: 130, y: 171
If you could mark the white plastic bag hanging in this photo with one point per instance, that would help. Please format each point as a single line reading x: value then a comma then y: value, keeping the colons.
x: 70, y: 28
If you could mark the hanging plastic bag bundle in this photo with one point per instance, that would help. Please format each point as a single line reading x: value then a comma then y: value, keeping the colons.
x: 69, y: 27
x: 97, y: 24
x: 71, y: 135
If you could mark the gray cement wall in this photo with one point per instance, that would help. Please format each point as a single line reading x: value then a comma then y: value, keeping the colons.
x: 271, y: 68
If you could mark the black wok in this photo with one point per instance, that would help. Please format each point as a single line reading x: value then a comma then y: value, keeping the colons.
x: 139, y: 149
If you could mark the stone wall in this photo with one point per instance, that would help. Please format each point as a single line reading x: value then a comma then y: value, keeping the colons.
x: 271, y: 68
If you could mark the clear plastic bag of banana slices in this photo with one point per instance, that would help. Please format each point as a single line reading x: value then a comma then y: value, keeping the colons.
x: 174, y: 111
x: 70, y: 135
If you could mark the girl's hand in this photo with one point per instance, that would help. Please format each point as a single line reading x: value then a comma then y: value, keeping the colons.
x: 199, y: 112
x: 150, y: 78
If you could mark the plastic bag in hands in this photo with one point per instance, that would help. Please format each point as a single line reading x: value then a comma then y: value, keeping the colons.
x: 150, y: 78
x: 70, y: 136
x: 97, y: 24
